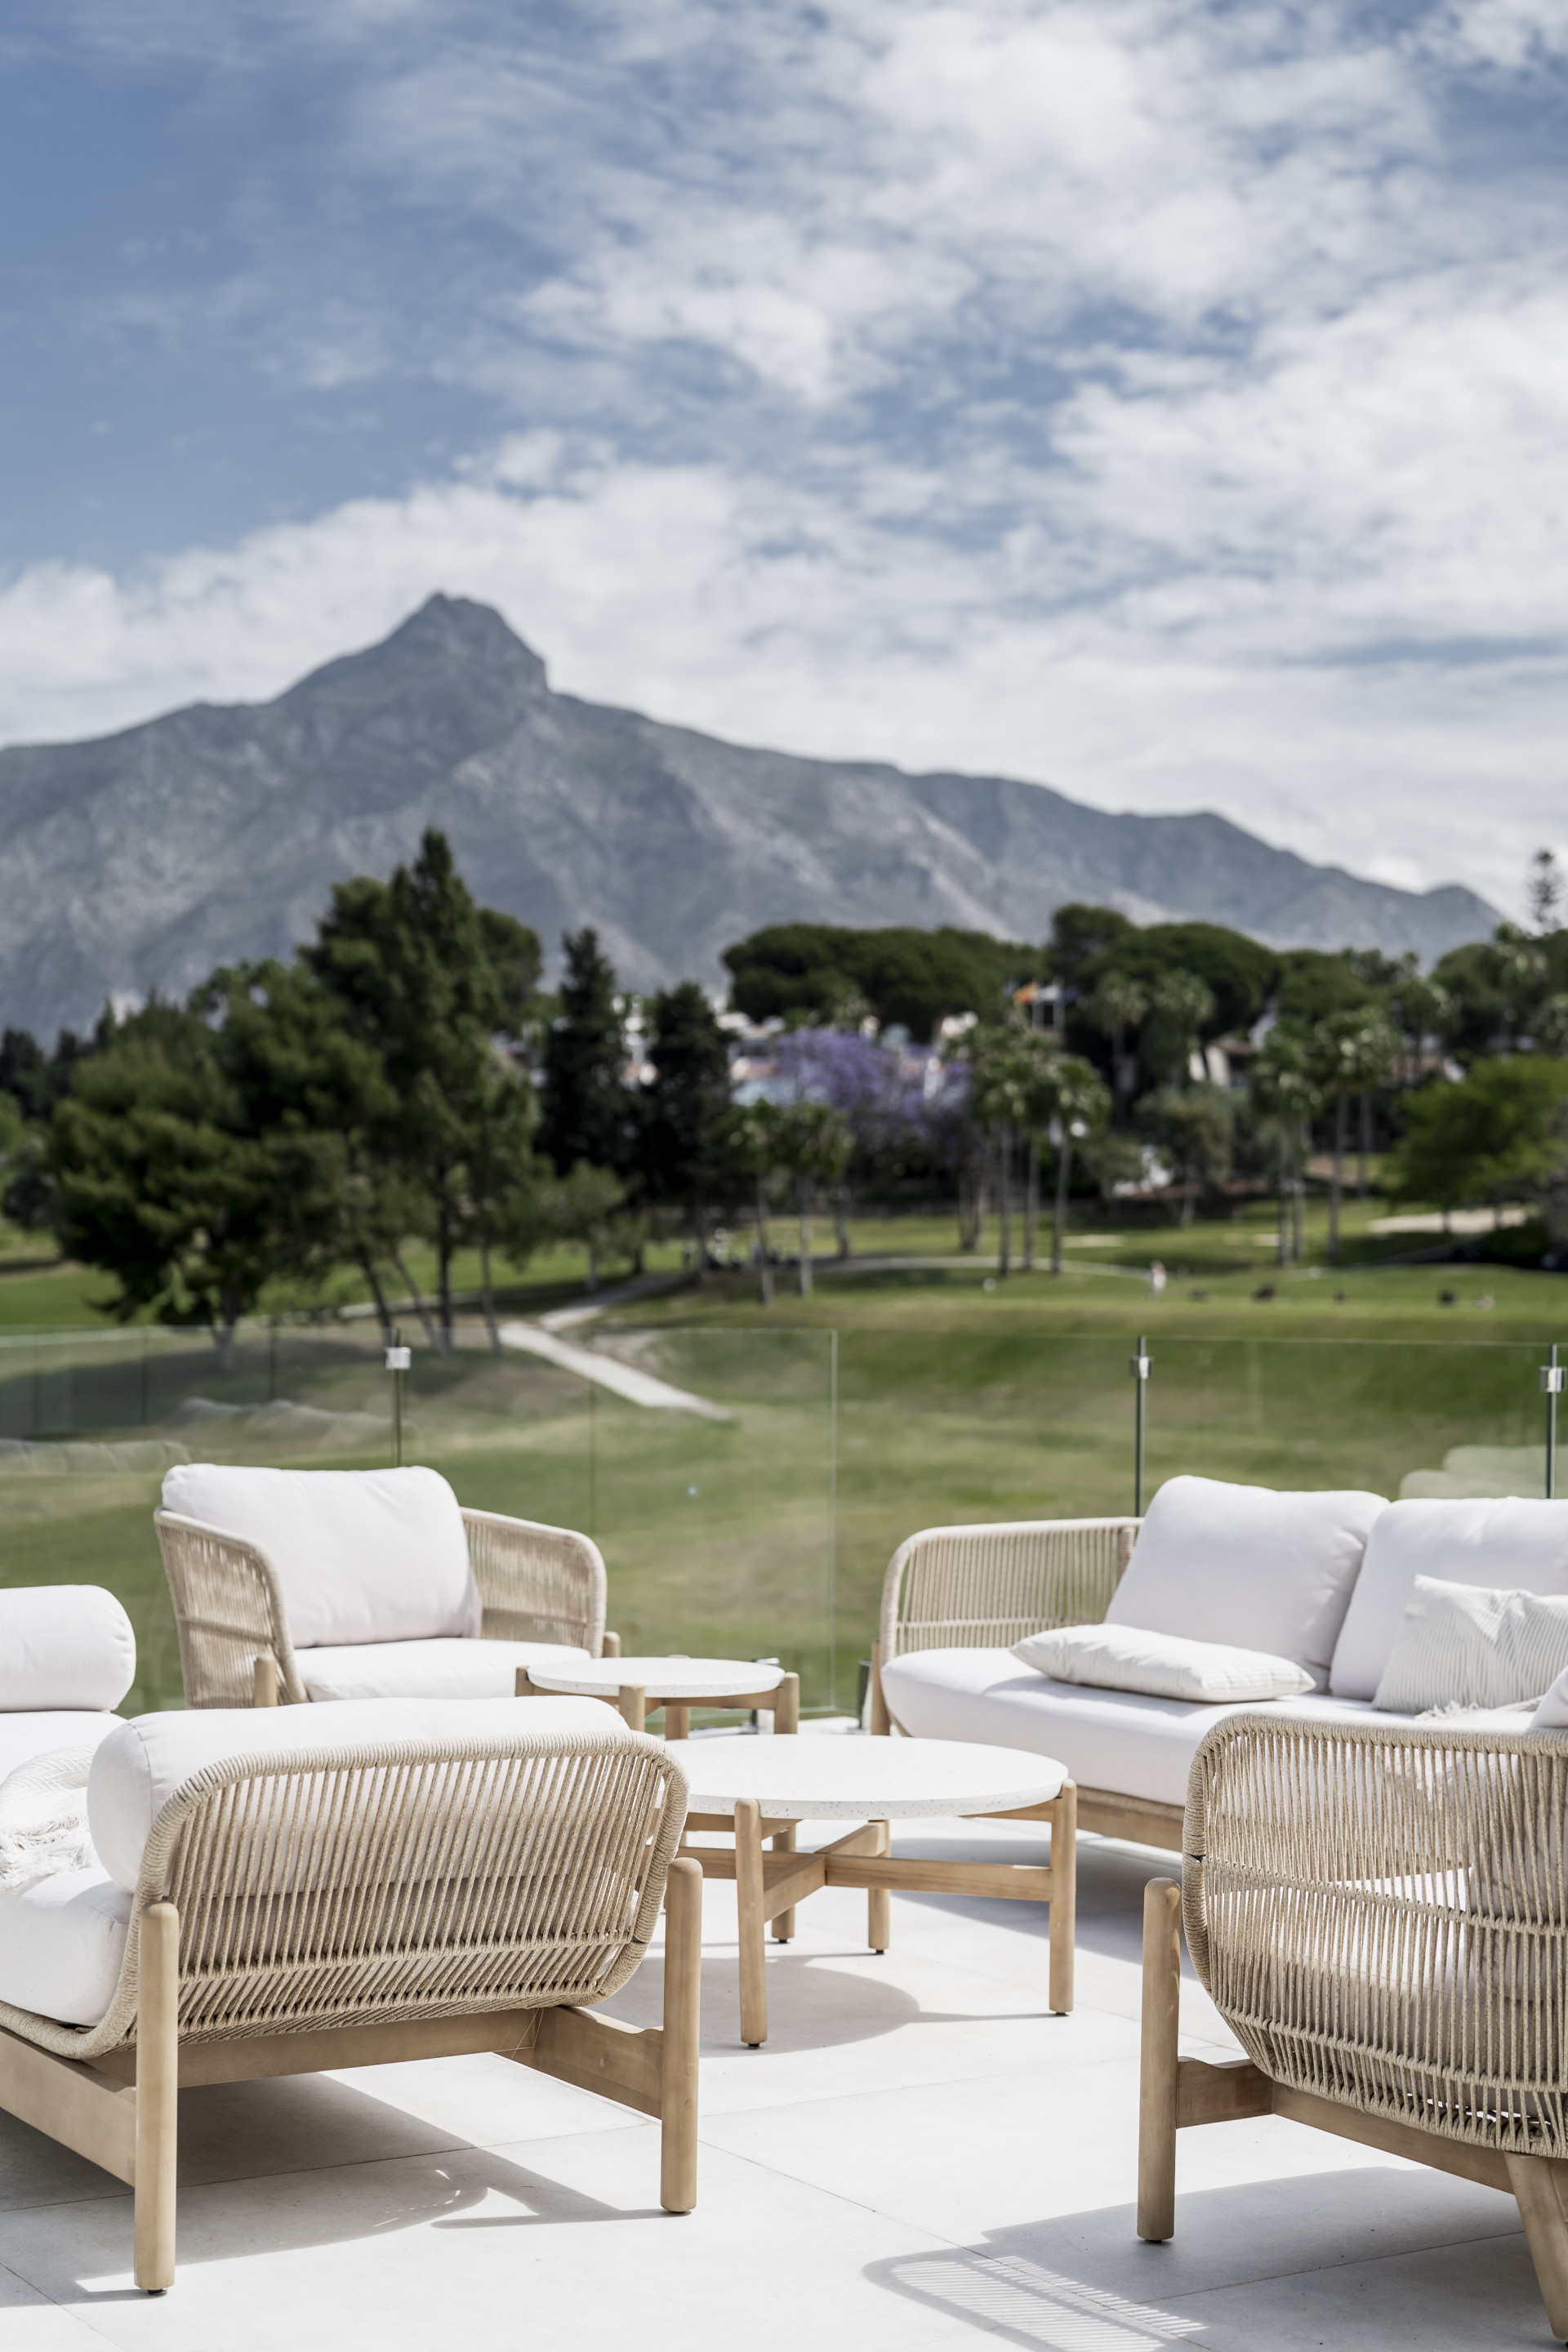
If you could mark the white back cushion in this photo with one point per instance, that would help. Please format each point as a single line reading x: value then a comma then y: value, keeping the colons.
x: 1246, y: 1565
x: 362, y: 1555
x: 146, y: 1761
x: 1506, y: 1545
x: 64, y: 1645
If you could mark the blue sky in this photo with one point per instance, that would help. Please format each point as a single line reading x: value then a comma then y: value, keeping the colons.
x: 1165, y: 400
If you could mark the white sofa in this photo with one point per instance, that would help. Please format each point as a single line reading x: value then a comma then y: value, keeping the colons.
x: 1322, y: 1579
x: 348, y: 1584
x: 68, y: 1656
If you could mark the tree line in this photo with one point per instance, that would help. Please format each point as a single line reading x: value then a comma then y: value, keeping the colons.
x: 403, y: 1077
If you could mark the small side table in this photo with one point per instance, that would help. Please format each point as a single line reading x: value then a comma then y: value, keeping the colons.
x: 762, y: 1788
x: 640, y: 1687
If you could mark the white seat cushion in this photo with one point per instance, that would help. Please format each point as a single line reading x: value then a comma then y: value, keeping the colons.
x: 361, y: 1555
x: 62, y: 1940
x: 64, y: 1645
x: 23, y: 1737
x: 148, y: 1760
x: 1505, y: 1544
x: 426, y: 1669
x: 1120, y: 1740
x: 1245, y: 1565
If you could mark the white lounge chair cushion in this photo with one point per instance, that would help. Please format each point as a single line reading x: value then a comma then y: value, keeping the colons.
x: 62, y: 1940
x: 1123, y: 1740
x: 1462, y: 1645
x: 426, y: 1669
x: 1215, y: 1562
x: 1164, y: 1666
x: 361, y: 1555
x: 151, y: 1758
x: 66, y: 1646
x: 1504, y: 1544
x: 23, y: 1737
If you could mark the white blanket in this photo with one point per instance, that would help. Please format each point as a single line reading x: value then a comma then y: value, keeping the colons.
x: 43, y: 1817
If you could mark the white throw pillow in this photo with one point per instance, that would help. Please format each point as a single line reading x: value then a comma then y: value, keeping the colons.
x: 1508, y: 1545
x: 1467, y: 1645
x: 1551, y: 1714
x: 64, y: 1645
x: 146, y: 1761
x: 1214, y: 1562
x: 361, y: 1555
x: 1164, y: 1666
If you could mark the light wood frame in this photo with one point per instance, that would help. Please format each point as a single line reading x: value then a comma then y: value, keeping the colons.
x: 768, y: 1886
x: 1379, y: 1912
x: 367, y: 1905
x: 536, y: 1583
x: 986, y: 1587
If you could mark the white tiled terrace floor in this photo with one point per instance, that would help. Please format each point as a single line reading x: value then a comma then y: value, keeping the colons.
x: 918, y: 2158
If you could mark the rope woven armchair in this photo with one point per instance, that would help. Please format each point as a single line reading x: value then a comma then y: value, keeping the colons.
x: 1380, y: 1914
x: 986, y: 1586
x: 354, y: 1900
x: 536, y: 1584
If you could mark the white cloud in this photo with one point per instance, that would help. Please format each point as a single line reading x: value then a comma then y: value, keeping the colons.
x: 1169, y: 401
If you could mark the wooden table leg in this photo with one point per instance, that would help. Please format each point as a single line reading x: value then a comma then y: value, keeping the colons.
x: 879, y: 1903
x: 1064, y: 1896
x: 783, y: 1925
x: 786, y: 1705
x: 749, y: 1909
x: 633, y: 1704
x: 677, y: 1720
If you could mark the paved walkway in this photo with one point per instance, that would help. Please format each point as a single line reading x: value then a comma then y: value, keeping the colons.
x: 917, y: 2161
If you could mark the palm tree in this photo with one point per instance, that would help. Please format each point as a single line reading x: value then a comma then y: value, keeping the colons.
x: 1354, y: 1051
x: 1077, y: 1103
x: 1118, y: 1004
x: 1182, y: 1005
x: 1004, y: 1089
x: 817, y: 1144
x: 758, y: 1141
x: 1288, y: 1085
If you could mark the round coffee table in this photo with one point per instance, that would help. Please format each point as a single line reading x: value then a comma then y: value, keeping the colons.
x: 761, y: 1787
x: 639, y: 1686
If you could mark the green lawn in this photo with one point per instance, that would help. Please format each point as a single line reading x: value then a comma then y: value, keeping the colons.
x: 960, y: 1396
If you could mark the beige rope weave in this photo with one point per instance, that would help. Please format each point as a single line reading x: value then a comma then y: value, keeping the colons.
x: 986, y: 1587
x: 391, y: 1880
x: 536, y: 1583
x: 1380, y: 1912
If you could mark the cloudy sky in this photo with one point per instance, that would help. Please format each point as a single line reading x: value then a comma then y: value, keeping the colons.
x: 1165, y: 400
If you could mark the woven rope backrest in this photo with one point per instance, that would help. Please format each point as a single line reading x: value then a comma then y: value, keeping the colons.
x: 986, y: 1586
x: 228, y: 1609
x: 413, y: 1881
x: 537, y: 1584
x: 1380, y: 1915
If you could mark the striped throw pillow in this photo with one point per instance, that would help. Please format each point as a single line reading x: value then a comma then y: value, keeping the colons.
x: 1465, y: 1645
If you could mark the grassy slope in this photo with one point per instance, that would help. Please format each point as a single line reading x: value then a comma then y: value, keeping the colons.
x: 956, y: 1401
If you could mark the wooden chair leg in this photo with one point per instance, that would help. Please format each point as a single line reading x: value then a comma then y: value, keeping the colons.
x: 748, y: 1907
x: 879, y: 1902
x: 609, y: 1646
x: 682, y: 2022
x: 677, y: 1720
x: 783, y: 1925
x: 264, y: 1681
x: 157, y: 2096
x: 882, y: 1724
x: 1157, y: 2078
x: 1534, y: 2185
x: 1064, y: 1896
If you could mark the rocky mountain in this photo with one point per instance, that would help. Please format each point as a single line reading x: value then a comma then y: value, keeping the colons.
x: 141, y: 860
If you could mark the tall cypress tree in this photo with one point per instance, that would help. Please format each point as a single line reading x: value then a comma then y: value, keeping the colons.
x: 585, y: 1110
x: 687, y: 1133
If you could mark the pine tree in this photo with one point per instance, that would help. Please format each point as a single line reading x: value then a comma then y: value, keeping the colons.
x: 585, y: 1109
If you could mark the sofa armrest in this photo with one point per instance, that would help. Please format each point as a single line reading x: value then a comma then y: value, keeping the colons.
x: 228, y: 1611
x: 986, y: 1587
x: 537, y: 1583
x: 1378, y: 1911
